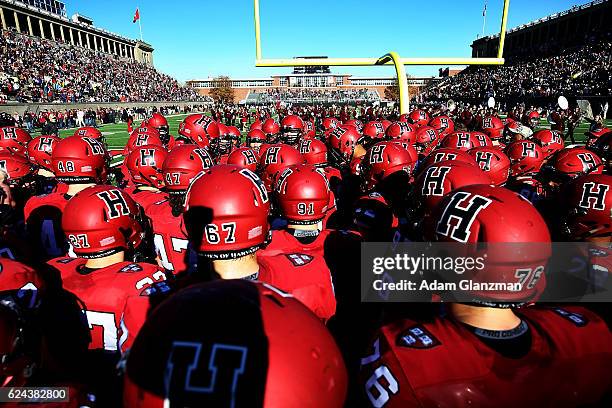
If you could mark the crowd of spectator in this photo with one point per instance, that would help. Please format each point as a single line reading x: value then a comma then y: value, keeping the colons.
x: 318, y: 95
x: 578, y: 72
x: 34, y: 70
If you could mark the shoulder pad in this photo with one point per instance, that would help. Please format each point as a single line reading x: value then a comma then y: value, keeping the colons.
x: 417, y: 337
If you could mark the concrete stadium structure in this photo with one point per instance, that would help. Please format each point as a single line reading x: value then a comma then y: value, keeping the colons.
x: 47, y: 19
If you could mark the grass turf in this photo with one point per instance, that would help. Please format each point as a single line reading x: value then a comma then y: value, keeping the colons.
x: 116, y: 134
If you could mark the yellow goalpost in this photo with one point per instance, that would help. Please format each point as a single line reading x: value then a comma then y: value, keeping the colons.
x: 391, y: 58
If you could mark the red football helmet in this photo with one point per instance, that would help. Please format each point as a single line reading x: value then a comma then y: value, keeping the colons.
x: 256, y: 125
x: 255, y: 138
x: 493, y: 127
x: 372, y: 132
x: 330, y: 123
x: 40, y: 150
x: 418, y: 117
x: 159, y: 123
x: 603, y: 147
x: 78, y: 159
x: 90, y: 131
x: 274, y: 160
x: 342, y: 142
x: 532, y: 119
x: 526, y: 157
x: 314, y: 152
x: 587, y: 207
x: 492, y: 161
x: 505, y: 227
x: 481, y: 139
x: 143, y: 137
x: 182, y: 165
x: 14, y: 139
x: 17, y: 168
x: 441, y: 178
x: 302, y: 193
x: 240, y: 208
x: 309, y: 130
x: 460, y: 140
x: 426, y: 140
x: 384, y: 159
x: 145, y: 165
x: 574, y: 162
x: 283, y: 337
x: 443, y: 125
x: 401, y: 131
x: 271, y: 129
x: 244, y: 157
x: 225, y: 142
x: 292, y: 129
x: 357, y: 124
x: 550, y: 141
x: 201, y: 129
x: 443, y: 154
x: 102, y: 220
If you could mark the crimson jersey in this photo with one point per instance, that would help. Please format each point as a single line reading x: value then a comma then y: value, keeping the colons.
x: 105, y: 293
x: 170, y: 238
x: 306, y: 277
x: 443, y: 363
x: 43, y: 218
x: 146, y: 198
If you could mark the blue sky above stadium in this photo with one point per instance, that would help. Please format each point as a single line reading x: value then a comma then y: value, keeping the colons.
x: 202, y: 38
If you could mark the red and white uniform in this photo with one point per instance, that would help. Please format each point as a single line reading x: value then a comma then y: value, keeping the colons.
x: 104, y: 293
x: 445, y: 364
x: 170, y: 238
x: 43, y: 217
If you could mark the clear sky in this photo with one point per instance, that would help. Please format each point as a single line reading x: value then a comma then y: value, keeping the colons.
x: 202, y: 38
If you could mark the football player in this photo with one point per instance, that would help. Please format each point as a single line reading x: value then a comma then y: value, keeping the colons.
x: 181, y: 167
x: 292, y: 130
x: 79, y: 162
x: 518, y: 355
x: 145, y: 167
x: 40, y: 151
x: 247, y: 370
x: 158, y: 122
x: 227, y: 223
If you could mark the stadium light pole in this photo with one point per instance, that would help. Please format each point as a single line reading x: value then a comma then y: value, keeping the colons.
x: 364, y: 62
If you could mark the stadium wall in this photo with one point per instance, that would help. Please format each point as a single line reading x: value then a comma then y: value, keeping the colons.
x: 22, y: 108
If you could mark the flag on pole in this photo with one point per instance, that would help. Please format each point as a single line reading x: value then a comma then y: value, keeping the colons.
x: 484, y: 11
x: 136, y: 16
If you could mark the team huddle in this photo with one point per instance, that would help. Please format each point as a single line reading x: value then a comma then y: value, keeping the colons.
x: 212, y: 268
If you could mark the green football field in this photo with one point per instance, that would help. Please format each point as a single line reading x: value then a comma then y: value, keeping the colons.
x: 117, y: 135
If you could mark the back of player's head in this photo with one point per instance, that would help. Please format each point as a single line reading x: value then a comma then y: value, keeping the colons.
x: 264, y: 350
x: 302, y: 193
x: 78, y: 160
x: 227, y: 210
x: 101, y: 221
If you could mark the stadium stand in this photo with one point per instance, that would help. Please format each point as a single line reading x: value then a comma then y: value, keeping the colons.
x: 35, y: 70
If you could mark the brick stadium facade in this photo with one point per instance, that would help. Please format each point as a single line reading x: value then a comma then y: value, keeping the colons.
x: 309, y: 78
x: 47, y: 19
x: 564, y: 29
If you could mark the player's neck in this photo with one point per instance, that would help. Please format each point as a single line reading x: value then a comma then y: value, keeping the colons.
x: 105, y: 261
x: 147, y: 188
x: 45, y: 173
x: 488, y: 318
x: 236, y: 268
x: 311, y: 227
x: 73, y: 189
